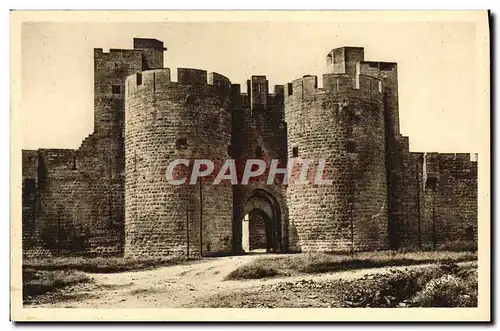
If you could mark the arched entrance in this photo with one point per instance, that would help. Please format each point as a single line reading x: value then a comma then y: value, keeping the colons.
x: 261, y: 223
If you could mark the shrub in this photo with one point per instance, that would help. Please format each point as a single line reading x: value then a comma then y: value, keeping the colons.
x: 447, y: 291
x: 41, y: 282
x: 447, y: 285
x: 322, y: 262
x: 386, y: 290
x: 251, y: 271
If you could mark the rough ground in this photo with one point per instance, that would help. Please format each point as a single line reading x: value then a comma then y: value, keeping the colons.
x: 196, y: 283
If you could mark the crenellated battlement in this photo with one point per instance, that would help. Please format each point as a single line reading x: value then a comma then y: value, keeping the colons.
x: 336, y: 85
x: 376, y: 69
x: 244, y: 99
x: 159, y: 80
x: 343, y: 60
x: 141, y: 45
x: 459, y: 162
x: 115, y: 53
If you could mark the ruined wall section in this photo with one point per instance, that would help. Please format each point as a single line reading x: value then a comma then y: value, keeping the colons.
x: 344, y: 124
x: 259, y: 132
x: 165, y: 121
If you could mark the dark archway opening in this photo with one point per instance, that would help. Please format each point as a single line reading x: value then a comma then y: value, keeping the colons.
x: 259, y: 230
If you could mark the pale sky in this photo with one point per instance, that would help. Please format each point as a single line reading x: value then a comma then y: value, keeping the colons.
x: 436, y: 61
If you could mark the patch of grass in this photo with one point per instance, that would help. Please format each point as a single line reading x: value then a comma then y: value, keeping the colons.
x: 310, y: 263
x: 41, y: 276
x: 252, y: 271
x: 317, y: 263
x: 459, y: 246
x: 36, y: 283
x: 99, y: 264
x: 144, y: 291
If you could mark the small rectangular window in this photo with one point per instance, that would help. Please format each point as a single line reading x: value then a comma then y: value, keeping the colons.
x: 469, y: 233
x: 295, y: 152
x: 351, y: 147
x: 29, y: 186
x: 385, y: 66
x: 29, y: 183
x: 181, y: 143
x: 116, y: 105
x: 431, y: 183
x: 115, y: 89
x: 139, y: 79
x: 258, y: 152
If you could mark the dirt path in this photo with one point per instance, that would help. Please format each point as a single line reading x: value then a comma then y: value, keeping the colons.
x: 178, y: 286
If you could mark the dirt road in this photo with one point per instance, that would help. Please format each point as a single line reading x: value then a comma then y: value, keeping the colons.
x: 176, y: 286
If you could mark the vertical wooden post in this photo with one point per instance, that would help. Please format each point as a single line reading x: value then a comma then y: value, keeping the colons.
x: 201, y: 219
x: 419, y: 185
x: 351, y: 203
x: 110, y: 195
x: 187, y: 231
x: 434, y: 238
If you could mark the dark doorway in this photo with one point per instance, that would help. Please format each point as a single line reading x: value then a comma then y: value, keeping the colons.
x: 261, y: 225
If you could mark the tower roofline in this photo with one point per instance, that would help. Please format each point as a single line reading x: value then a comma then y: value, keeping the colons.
x: 141, y: 42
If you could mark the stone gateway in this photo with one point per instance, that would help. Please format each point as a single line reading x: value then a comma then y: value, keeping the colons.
x: 111, y: 197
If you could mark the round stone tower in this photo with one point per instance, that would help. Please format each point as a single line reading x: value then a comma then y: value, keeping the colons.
x: 342, y: 123
x: 164, y: 121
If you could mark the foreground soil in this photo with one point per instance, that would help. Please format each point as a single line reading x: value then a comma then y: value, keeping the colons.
x: 200, y: 284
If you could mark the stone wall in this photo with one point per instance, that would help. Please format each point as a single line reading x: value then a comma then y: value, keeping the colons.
x: 449, y: 210
x: 387, y: 73
x: 165, y: 121
x: 32, y: 245
x: 259, y: 132
x: 111, y: 197
x: 409, y: 228
x: 342, y: 123
x: 439, y: 202
x: 79, y: 199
